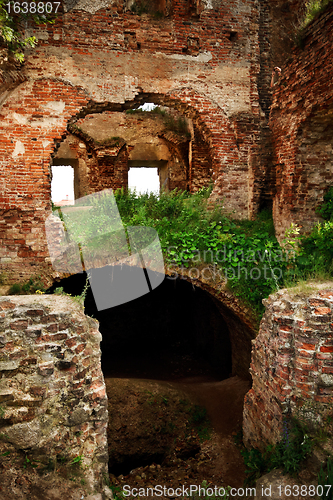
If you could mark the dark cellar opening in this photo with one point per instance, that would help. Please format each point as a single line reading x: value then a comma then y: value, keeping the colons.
x: 173, y: 332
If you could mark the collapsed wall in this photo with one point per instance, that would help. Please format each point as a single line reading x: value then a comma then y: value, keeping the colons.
x: 53, y: 404
x: 301, y: 122
x: 292, y: 364
x: 198, y: 58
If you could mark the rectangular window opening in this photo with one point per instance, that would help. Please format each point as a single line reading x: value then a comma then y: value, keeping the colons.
x: 62, y: 185
x: 144, y: 180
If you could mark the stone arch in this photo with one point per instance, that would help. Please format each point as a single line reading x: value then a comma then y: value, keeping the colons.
x: 223, y: 139
x: 32, y: 129
x: 106, y: 144
x: 239, y: 319
x: 219, y: 133
x: 304, y: 173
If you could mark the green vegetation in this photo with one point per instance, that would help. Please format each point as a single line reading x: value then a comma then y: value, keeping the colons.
x: 208, y: 488
x: 77, y: 460
x: 197, y: 417
x: 313, y: 9
x: 203, y: 238
x: 174, y: 123
x: 77, y: 298
x: 245, y: 253
x: 326, y: 209
x: 117, y: 491
x: 29, y: 463
x: 140, y: 7
x: 288, y: 454
x: 33, y: 285
x: 12, y: 20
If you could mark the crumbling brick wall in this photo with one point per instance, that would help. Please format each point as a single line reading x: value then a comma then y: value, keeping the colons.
x: 52, y: 392
x: 201, y: 165
x: 301, y: 122
x: 101, y: 158
x: 200, y: 58
x: 292, y: 363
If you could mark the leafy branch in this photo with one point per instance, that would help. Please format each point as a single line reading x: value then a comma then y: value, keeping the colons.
x: 12, y: 27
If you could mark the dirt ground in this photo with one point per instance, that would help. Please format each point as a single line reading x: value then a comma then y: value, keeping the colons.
x: 159, y: 434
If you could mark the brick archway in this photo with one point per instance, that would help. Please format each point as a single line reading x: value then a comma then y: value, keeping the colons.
x: 113, y: 60
x: 35, y: 119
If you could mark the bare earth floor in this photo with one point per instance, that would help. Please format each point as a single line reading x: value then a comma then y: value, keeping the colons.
x: 146, y: 416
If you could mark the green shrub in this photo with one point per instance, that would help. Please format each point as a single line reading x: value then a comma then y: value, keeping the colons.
x: 326, y: 209
x: 174, y: 123
x: 325, y: 478
x: 288, y: 454
x: 11, y: 28
x: 15, y: 289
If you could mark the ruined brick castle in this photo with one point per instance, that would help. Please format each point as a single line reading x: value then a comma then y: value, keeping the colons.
x: 208, y: 61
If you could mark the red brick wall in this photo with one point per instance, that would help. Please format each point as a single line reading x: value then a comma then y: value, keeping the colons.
x: 202, y: 61
x: 301, y: 122
x: 52, y: 393
x: 291, y: 364
x: 201, y: 165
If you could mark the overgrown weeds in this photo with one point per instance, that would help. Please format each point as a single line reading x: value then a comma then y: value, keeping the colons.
x: 288, y: 454
x: 13, y: 18
x: 140, y: 7
x: 244, y: 255
x: 33, y: 285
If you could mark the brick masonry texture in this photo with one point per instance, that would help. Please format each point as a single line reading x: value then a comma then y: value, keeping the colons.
x: 200, y: 58
x: 52, y: 390
x: 291, y: 364
x: 102, y: 148
x: 301, y: 122
x: 209, y: 60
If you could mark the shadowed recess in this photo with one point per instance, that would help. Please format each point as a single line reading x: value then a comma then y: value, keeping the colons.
x: 172, y: 332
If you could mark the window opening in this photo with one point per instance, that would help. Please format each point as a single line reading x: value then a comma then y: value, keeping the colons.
x: 144, y: 180
x: 62, y: 185
x: 148, y: 106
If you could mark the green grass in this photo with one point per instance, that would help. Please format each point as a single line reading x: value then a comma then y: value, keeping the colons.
x: 195, y: 234
x: 288, y: 454
x: 29, y: 287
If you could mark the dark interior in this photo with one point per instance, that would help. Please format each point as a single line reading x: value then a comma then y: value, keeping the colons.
x: 172, y: 332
